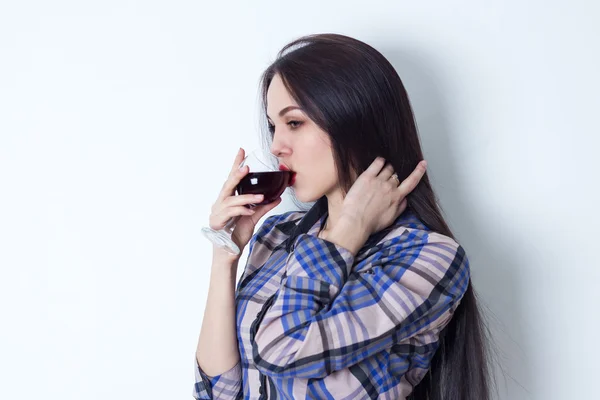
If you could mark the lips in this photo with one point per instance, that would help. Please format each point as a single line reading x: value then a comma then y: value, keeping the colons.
x: 283, y: 167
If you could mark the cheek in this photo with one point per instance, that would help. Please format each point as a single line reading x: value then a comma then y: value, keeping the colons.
x: 320, y: 172
x: 320, y: 163
x: 317, y: 171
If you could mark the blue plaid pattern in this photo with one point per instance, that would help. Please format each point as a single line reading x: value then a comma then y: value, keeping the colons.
x: 319, y: 322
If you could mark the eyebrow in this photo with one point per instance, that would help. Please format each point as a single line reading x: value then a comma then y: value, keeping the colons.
x: 285, y: 110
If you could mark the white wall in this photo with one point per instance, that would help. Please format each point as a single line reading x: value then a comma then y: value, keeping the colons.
x: 119, y: 121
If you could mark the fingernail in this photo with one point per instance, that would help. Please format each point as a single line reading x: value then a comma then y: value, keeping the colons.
x: 424, y: 163
x: 258, y: 196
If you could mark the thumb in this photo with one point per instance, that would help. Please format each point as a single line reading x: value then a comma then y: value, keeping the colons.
x: 260, y: 211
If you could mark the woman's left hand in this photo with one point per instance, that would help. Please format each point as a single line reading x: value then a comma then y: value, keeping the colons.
x: 375, y: 199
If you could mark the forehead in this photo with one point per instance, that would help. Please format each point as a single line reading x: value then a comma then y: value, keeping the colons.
x: 278, y: 97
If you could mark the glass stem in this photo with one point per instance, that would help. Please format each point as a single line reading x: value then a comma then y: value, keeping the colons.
x: 230, y: 226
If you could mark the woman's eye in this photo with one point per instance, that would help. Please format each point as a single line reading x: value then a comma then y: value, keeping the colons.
x: 292, y: 124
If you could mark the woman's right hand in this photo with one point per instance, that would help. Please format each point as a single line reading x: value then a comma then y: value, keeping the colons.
x: 228, y: 205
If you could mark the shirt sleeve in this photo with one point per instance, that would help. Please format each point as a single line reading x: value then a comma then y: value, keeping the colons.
x: 227, y: 385
x: 328, y: 314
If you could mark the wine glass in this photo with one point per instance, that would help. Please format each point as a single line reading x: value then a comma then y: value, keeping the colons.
x: 265, y: 176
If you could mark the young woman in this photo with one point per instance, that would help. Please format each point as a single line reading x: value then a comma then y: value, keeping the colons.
x: 367, y: 295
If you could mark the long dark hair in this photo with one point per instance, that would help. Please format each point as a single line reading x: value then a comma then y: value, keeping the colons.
x: 353, y: 93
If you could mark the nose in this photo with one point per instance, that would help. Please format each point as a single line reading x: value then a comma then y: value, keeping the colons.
x: 275, y: 150
x: 278, y: 147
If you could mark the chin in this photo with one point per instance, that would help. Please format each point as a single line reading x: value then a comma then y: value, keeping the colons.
x: 300, y: 195
x: 305, y: 197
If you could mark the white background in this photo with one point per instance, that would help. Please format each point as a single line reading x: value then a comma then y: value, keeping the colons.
x: 119, y: 121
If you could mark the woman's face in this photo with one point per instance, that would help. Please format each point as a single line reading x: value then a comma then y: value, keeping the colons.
x: 301, y: 145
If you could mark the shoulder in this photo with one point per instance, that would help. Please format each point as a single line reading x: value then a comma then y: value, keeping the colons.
x: 408, y: 232
x: 417, y: 256
x: 415, y: 239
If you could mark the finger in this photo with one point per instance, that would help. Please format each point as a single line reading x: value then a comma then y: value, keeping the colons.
x: 219, y: 219
x: 413, y: 179
x: 262, y: 210
x: 231, y: 212
x: 242, y: 200
x: 386, y: 172
x: 403, y: 205
x: 231, y: 183
x: 238, y: 160
x: 375, y: 166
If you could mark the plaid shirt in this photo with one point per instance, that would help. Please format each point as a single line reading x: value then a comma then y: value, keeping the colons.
x: 314, y: 321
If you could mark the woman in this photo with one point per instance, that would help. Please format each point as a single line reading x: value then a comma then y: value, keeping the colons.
x: 365, y: 295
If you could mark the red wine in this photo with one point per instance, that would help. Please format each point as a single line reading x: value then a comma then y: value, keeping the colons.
x: 270, y: 184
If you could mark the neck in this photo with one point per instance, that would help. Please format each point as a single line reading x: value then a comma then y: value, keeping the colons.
x: 334, y: 206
